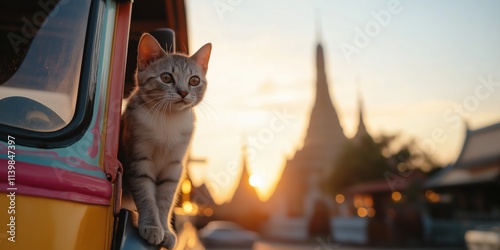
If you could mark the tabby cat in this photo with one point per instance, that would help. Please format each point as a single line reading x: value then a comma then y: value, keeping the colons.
x: 157, y: 125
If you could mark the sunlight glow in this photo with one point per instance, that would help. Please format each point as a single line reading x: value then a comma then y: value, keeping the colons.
x: 189, y: 207
x: 255, y: 181
x: 186, y: 187
x: 285, y: 82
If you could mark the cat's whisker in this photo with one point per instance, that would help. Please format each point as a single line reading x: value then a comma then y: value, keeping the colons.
x: 152, y: 111
x: 170, y: 107
x: 166, y: 104
x: 208, y: 112
x: 146, y: 102
x: 160, y: 110
x: 205, y: 113
x: 155, y: 109
x: 159, y: 113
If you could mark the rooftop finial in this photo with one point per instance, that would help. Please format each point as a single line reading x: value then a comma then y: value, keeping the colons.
x: 358, y: 92
x: 362, y: 133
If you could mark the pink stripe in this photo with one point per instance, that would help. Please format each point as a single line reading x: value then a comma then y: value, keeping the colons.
x: 56, y: 183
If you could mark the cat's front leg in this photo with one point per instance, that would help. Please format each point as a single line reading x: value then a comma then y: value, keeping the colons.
x: 143, y: 191
x: 166, y: 196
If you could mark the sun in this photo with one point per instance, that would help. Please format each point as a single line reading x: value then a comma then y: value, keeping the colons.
x: 255, y: 181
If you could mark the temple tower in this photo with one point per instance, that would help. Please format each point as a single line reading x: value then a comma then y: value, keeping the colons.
x: 322, y: 144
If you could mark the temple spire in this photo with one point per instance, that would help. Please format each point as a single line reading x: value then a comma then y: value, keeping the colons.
x: 245, y: 207
x: 362, y: 132
x: 322, y: 146
x: 361, y: 125
x: 324, y: 129
x: 244, y: 189
x: 322, y: 91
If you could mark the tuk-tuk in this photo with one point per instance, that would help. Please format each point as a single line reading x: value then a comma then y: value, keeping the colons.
x: 64, y: 71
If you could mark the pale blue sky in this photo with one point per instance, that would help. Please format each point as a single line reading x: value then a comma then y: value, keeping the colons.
x: 426, y: 60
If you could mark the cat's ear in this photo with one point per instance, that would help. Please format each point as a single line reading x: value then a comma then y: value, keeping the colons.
x: 148, y: 51
x: 202, y: 56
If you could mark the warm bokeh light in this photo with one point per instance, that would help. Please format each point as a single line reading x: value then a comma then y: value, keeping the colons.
x: 371, y: 212
x: 363, y: 200
x: 368, y: 201
x: 189, y: 207
x: 396, y: 196
x: 362, y: 212
x: 339, y: 198
x: 431, y: 196
x: 358, y: 201
x: 186, y: 187
x: 255, y: 181
x: 208, y: 212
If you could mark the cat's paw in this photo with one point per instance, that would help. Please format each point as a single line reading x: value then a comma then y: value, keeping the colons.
x: 152, y: 234
x: 169, y: 240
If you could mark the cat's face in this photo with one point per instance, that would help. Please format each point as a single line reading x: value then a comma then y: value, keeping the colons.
x: 170, y: 82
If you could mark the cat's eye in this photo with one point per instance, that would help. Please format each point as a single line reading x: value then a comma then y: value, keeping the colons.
x: 167, y: 78
x: 194, y: 81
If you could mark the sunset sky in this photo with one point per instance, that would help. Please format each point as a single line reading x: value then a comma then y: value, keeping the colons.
x: 420, y: 66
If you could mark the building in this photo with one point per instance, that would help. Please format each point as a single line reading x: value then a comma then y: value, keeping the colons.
x: 322, y: 144
x: 378, y: 213
x: 464, y: 194
x: 298, y: 195
x: 298, y: 201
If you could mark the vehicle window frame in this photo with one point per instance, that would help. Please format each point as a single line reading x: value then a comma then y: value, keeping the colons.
x: 82, y: 117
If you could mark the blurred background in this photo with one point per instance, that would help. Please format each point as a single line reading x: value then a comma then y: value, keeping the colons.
x: 337, y: 124
x: 327, y: 124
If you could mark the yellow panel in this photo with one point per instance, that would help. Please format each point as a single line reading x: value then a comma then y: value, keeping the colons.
x: 49, y: 224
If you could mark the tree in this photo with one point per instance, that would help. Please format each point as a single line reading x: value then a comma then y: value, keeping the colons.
x: 368, y: 160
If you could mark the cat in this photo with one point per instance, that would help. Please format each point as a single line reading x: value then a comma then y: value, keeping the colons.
x: 157, y: 126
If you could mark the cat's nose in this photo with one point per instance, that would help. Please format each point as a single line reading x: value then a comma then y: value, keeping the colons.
x: 182, y: 93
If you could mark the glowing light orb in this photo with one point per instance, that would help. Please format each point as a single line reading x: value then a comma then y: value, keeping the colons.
x: 396, y: 196
x: 255, y: 181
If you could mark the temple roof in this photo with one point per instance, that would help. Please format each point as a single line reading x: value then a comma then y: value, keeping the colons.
x: 244, y: 193
x: 480, y: 147
x: 478, y: 162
